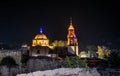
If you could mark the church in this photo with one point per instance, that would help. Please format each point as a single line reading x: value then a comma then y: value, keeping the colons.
x: 41, y: 46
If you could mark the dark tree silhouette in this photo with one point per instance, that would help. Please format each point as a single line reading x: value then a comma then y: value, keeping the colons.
x: 114, y: 60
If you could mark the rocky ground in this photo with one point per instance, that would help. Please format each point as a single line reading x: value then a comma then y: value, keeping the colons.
x: 64, y: 72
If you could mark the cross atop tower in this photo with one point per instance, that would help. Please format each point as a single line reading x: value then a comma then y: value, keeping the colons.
x: 41, y: 30
x: 70, y: 20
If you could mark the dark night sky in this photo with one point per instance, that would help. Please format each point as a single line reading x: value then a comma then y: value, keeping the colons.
x: 94, y: 22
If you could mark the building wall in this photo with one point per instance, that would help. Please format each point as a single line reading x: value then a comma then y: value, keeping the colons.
x: 73, y: 50
x: 42, y: 42
x: 39, y: 51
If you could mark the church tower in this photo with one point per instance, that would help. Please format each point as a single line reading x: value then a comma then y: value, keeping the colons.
x: 71, y: 38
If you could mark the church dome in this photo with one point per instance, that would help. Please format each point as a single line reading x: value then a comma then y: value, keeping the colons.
x: 40, y: 40
x: 40, y: 36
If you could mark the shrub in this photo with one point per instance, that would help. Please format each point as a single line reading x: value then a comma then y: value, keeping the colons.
x: 74, y: 62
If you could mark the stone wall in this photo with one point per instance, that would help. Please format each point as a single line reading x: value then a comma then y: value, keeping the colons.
x: 35, y: 64
x: 15, y: 54
x: 5, y: 71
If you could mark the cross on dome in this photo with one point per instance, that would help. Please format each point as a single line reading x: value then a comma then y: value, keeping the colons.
x: 41, y: 30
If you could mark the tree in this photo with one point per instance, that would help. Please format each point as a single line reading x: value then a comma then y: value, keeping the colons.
x: 58, y: 43
x: 103, y: 52
x: 61, y: 43
x: 91, y: 47
x: 114, y: 59
x: 74, y: 62
x: 91, y: 50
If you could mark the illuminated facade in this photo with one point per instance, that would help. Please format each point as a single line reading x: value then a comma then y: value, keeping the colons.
x: 72, y: 39
x: 40, y: 40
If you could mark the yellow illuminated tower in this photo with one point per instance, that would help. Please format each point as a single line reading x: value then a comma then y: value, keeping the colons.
x: 71, y: 38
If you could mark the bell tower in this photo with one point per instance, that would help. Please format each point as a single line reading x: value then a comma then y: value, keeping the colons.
x: 71, y: 38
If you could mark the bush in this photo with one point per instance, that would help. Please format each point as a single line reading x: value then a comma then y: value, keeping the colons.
x: 74, y: 62
x: 114, y: 60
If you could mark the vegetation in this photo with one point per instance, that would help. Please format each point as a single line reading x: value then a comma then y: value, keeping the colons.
x: 91, y: 50
x: 74, y: 62
x: 103, y: 52
x: 114, y: 60
x: 58, y: 43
